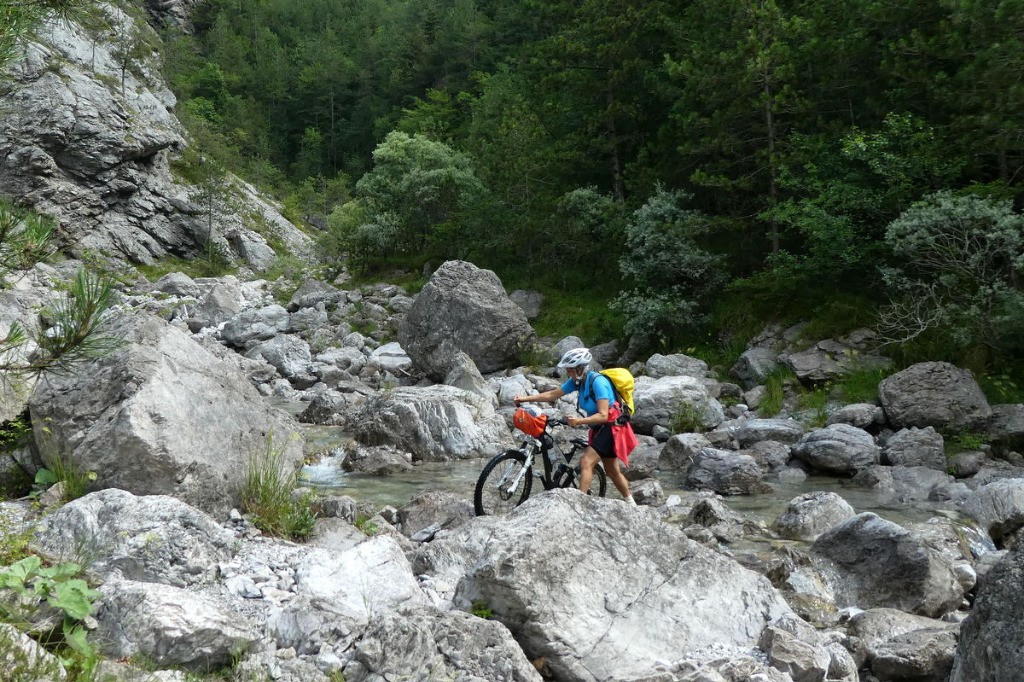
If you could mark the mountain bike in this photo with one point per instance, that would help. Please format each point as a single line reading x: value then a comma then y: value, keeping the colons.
x: 507, y: 479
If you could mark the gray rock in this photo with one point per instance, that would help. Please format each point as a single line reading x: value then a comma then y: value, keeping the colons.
x: 467, y: 308
x: 907, y: 484
x: 25, y: 660
x: 1006, y: 429
x: 161, y: 416
x: 435, y: 423
x: 663, y: 401
x: 680, y: 596
x: 780, y: 430
x: 529, y: 300
x: 991, y: 644
x: 726, y: 473
x: 312, y: 293
x: 771, y: 455
x: 876, y: 563
x: 916, y: 447
x: 441, y: 509
x: 170, y: 626
x: 308, y: 320
x: 177, y: 284
x: 794, y: 647
x: 251, y: 326
x: 900, y: 646
x: 659, y: 366
x: 448, y: 644
x: 376, y: 460
x: 393, y: 358
x: 934, y: 394
x: 94, y: 151
x: 998, y: 507
x: 154, y: 538
x: 811, y: 514
x: 829, y: 360
x: 838, y: 449
x: 647, y: 491
x: 680, y: 450
x: 360, y: 583
x: 862, y: 415
x: 754, y: 366
x: 289, y: 355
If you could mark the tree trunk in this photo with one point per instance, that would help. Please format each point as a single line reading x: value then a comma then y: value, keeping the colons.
x: 618, y: 186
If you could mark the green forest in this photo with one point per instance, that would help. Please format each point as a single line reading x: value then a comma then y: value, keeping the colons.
x: 681, y: 172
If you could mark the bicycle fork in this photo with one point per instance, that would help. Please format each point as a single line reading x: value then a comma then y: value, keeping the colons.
x: 514, y: 485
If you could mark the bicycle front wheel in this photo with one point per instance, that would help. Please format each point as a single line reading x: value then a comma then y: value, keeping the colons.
x: 504, y: 484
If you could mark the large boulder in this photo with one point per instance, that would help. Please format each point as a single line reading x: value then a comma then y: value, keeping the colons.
x: 170, y: 626
x: 811, y: 514
x: 916, y: 447
x: 838, y: 449
x: 424, y: 643
x: 934, y: 394
x: 154, y: 538
x: 90, y: 143
x: 871, y: 562
x: 726, y: 473
x: 613, y: 599
x: 161, y: 416
x: 664, y: 401
x: 1006, y: 429
x: 659, y: 366
x: 991, y: 644
x: 755, y: 365
x: 434, y: 423
x: 998, y: 507
x: 464, y: 308
x: 900, y: 646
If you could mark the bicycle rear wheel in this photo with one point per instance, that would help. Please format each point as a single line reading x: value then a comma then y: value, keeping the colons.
x: 494, y: 492
x: 600, y: 481
x: 598, y: 484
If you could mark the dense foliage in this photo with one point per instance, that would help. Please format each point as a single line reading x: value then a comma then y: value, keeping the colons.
x: 545, y: 139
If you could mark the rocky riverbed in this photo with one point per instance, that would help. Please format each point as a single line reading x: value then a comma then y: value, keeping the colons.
x: 875, y: 574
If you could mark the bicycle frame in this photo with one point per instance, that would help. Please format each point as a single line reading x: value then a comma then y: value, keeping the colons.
x: 542, y: 445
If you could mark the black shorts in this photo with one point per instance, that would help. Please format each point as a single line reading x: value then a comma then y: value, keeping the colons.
x: 602, y: 442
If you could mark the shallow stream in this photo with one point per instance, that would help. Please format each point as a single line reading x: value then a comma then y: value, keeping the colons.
x: 460, y: 476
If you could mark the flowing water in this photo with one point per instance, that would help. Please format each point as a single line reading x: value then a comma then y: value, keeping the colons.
x: 460, y: 476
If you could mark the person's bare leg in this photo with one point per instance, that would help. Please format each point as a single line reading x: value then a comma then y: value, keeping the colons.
x: 588, y: 461
x: 611, y: 467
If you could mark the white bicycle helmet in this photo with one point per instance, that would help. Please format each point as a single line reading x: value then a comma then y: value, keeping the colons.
x: 577, y: 357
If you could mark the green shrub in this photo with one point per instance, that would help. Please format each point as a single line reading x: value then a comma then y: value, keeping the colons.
x: 268, y: 496
x: 480, y: 610
x: 816, y: 402
x: 962, y: 441
x: 689, y: 418
x: 61, y: 588
x: 15, y: 433
x: 775, y: 383
x: 860, y: 386
x: 366, y: 525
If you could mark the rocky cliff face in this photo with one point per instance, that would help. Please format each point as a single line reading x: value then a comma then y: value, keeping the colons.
x: 90, y: 143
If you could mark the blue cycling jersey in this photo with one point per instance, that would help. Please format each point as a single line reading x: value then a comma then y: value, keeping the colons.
x: 600, y: 388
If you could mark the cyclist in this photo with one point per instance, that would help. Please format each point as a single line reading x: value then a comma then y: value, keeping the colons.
x: 601, y: 409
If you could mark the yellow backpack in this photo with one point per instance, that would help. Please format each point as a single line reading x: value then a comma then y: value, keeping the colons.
x: 622, y: 383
